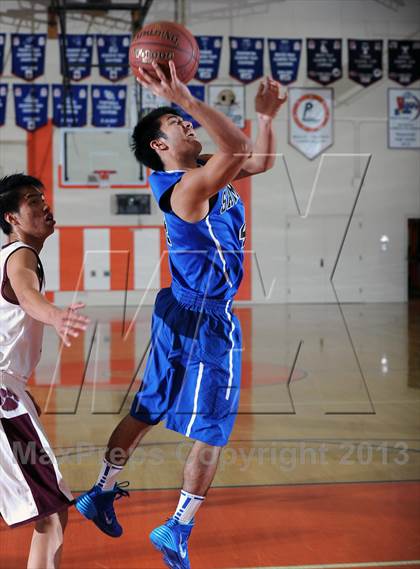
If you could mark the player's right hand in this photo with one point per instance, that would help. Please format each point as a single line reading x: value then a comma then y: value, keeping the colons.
x: 170, y: 88
x: 269, y: 98
x: 69, y: 322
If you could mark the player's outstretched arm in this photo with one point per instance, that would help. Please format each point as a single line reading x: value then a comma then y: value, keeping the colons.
x: 234, y: 147
x: 268, y: 102
x: 23, y: 278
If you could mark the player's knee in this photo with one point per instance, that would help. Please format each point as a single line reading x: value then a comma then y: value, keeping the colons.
x: 63, y: 518
x: 52, y: 523
x: 206, y: 455
x: 209, y: 455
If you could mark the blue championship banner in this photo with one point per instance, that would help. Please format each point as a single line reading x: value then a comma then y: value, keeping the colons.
x: 69, y: 105
x: 31, y: 105
x: 28, y: 55
x: 404, y: 61
x: 108, y: 105
x: 365, y: 61
x: 246, y: 58
x: 113, y: 56
x: 323, y: 60
x: 284, y: 59
x: 76, y: 55
x: 2, y: 44
x: 3, y: 101
x: 198, y: 92
x: 210, y: 51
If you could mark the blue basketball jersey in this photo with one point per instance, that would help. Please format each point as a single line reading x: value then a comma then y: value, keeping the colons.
x: 205, y: 257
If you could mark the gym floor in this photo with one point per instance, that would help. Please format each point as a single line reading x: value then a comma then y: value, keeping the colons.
x: 323, y: 466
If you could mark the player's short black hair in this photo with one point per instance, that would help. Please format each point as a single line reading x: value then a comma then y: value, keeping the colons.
x: 10, y: 193
x: 146, y: 130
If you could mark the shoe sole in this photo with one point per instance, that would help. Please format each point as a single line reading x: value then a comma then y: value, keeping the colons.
x: 167, y: 554
x: 172, y: 564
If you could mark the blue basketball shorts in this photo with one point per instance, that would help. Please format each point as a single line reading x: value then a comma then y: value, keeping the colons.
x: 192, y: 375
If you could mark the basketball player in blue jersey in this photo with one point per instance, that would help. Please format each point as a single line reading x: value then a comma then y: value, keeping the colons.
x: 192, y: 376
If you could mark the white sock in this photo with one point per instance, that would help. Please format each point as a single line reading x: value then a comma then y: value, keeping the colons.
x: 187, y: 507
x: 108, y: 475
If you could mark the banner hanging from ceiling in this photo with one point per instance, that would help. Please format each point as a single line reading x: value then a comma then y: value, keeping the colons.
x: 404, y: 118
x: 69, y: 105
x: 3, y: 102
x: 76, y: 55
x: 31, y: 105
x: 404, y: 61
x: 150, y: 101
x: 113, y: 56
x: 210, y: 52
x: 365, y: 61
x: 246, y: 58
x: 108, y: 105
x: 324, y: 60
x: 310, y: 120
x: 284, y: 57
x: 28, y: 55
x: 2, y: 44
x: 229, y: 100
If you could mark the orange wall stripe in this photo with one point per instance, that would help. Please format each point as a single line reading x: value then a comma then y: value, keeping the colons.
x: 123, y: 354
x: 49, y: 295
x: 246, y: 419
x: 39, y: 148
x: 245, y: 317
x: 165, y: 274
x: 73, y: 363
x: 71, y: 258
x: 243, y: 187
x: 122, y: 258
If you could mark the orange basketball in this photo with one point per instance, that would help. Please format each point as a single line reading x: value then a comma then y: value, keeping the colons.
x: 163, y: 42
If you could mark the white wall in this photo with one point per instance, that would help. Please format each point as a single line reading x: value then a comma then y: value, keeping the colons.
x: 391, y: 192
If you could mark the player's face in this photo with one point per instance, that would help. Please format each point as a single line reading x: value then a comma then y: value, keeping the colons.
x: 180, y: 134
x: 34, y: 217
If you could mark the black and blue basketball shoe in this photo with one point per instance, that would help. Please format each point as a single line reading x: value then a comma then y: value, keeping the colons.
x: 98, y: 505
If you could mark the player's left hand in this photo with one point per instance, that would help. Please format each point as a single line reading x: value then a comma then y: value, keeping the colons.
x: 269, y: 98
x: 37, y: 407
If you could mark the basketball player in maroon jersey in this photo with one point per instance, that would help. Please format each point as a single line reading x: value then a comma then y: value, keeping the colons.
x: 31, y: 486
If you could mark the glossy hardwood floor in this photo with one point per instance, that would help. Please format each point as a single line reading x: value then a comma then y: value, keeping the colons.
x: 324, y: 461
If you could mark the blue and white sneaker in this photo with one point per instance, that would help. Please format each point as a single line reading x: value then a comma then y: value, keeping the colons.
x: 98, y: 505
x: 172, y: 539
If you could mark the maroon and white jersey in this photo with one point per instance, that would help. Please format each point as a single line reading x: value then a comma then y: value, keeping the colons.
x: 20, y: 334
x: 31, y: 484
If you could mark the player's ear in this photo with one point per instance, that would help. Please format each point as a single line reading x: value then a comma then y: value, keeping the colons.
x: 158, y: 144
x: 11, y: 218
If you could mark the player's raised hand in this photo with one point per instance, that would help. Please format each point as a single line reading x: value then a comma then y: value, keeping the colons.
x: 69, y: 322
x: 269, y: 98
x: 170, y: 88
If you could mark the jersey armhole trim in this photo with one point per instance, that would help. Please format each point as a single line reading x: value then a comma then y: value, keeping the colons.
x: 166, y: 198
x: 40, y: 274
x: 212, y: 203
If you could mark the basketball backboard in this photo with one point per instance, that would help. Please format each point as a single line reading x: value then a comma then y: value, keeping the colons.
x: 85, y: 152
